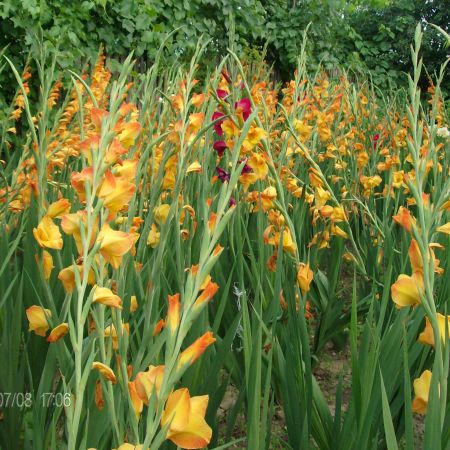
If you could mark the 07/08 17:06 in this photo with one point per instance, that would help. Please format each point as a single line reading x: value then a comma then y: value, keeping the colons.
x: 26, y: 400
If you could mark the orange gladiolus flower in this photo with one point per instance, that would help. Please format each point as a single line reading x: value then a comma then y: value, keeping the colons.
x: 415, y: 257
x: 405, y: 219
x: 195, y: 350
x: 106, y: 297
x: 114, y: 244
x: 120, y: 196
x: 406, y: 291
x: 136, y: 401
x: 67, y: 277
x: 208, y: 293
x: 47, y: 234
x: 173, y: 313
x: 185, y: 417
x: 149, y: 381
x: 105, y: 370
x: 37, y: 318
x: 57, y: 209
x: 58, y: 332
x: 427, y: 335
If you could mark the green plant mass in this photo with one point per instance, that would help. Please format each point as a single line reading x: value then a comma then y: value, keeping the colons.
x: 224, y: 225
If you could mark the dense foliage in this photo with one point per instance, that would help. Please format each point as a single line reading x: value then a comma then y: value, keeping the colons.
x: 372, y: 35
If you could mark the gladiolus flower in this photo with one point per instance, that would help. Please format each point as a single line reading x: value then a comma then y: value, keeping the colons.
x: 195, y: 350
x: 133, y: 304
x: 304, y: 277
x: 58, y: 332
x: 258, y: 164
x: 149, y: 381
x: 136, y: 401
x: 217, y: 126
x: 129, y: 134
x: 160, y: 213
x: 208, y: 293
x: 67, y: 277
x: 415, y: 257
x: 37, y: 318
x: 120, y: 196
x: 173, y: 313
x: 106, y: 297
x: 219, y: 147
x: 405, y: 219
x: 421, y: 392
x: 47, y: 234
x: 244, y: 108
x: 105, y: 371
x: 153, y: 236
x: 407, y: 289
x: 222, y: 174
x: 98, y: 397
x: 47, y: 264
x: 222, y: 93
x: 158, y: 327
x: 444, y: 228
x: 427, y: 335
x: 114, y: 244
x: 57, y: 209
x: 194, y: 167
x: 127, y: 446
x: 111, y: 332
x: 185, y: 417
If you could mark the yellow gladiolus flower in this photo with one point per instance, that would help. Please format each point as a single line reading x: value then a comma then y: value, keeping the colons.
x: 47, y: 263
x: 304, y: 277
x: 406, y: 291
x: 114, y: 244
x: 127, y: 446
x: 444, y: 228
x: 258, y: 164
x: 153, y: 236
x: 421, y: 391
x: 427, y: 335
x: 37, y: 318
x: 106, y: 297
x: 105, y: 371
x: 47, y: 234
x: 194, y: 167
x: 185, y: 417
x: 133, y: 304
x: 110, y: 331
x: 160, y: 213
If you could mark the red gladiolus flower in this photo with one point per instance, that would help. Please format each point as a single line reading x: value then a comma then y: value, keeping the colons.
x: 217, y: 125
x: 244, y: 107
x: 222, y: 174
x: 219, y: 147
x: 221, y: 93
